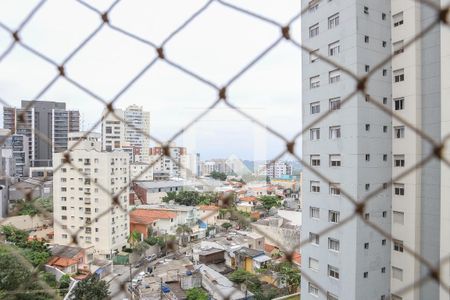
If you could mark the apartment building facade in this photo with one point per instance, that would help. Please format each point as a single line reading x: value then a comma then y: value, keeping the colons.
x: 276, y: 169
x: 352, y: 146
x: 127, y: 129
x: 180, y: 164
x: 83, y: 205
x: 45, y: 124
x: 375, y: 149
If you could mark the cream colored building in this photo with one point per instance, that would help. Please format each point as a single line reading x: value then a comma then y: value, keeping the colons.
x: 83, y: 208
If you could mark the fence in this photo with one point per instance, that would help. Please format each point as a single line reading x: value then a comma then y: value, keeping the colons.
x: 222, y: 97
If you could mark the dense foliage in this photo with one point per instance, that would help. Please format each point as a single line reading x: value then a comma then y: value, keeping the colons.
x: 218, y: 175
x: 196, y: 294
x: 270, y: 201
x: 190, y: 198
x: 91, y: 288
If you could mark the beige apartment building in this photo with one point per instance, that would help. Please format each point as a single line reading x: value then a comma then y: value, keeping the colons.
x: 81, y: 207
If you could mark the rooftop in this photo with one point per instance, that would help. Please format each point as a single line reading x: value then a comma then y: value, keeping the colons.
x: 65, y: 251
x: 62, y: 262
x: 208, y: 207
x: 148, y: 216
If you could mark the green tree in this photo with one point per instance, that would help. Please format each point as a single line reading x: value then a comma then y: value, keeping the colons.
x: 226, y: 226
x: 196, y: 294
x: 14, y: 235
x: 64, y: 284
x: 270, y: 201
x: 290, y: 274
x: 170, y: 196
x: 251, y: 280
x: 218, y: 175
x: 91, y: 288
x: 134, y: 238
x: 182, y: 230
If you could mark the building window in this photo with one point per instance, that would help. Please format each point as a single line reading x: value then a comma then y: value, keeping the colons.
x: 385, y: 128
x: 335, y: 189
x: 397, y: 273
x: 399, y: 75
x: 399, y: 160
x: 367, y: 186
x: 366, y: 39
x: 333, y: 21
x: 314, y: 134
x: 366, y: 274
x: 314, y: 212
x: 335, y: 103
x: 313, y: 56
x: 398, y: 47
x: 367, y: 127
x: 367, y: 68
x: 398, y: 245
x: 384, y: 72
x: 398, y: 217
x: 314, y: 82
x: 384, y: 157
x: 333, y: 272
x: 366, y: 10
x: 366, y: 246
x: 335, y: 160
x: 383, y: 16
x: 314, y: 30
x: 383, y: 270
x: 315, y: 186
x: 384, y: 100
x: 313, y: 290
x: 313, y: 264
x: 334, y: 76
x: 331, y: 296
x: 333, y: 216
x: 399, y: 103
x: 367, y: 157
x: 399, y: 132
x: 333, y: 244
x: 313, y: 5
x: 334, y: 48
x: 314, y: 238
x: 384, y: 44
x: 366, y: 216
x: 398, y: 19
x: 335, y: 132
x: 383, y: 242
x: 384, y: 214
x: 315, y: 108
x: 315, y: 160
x: 399, y: 189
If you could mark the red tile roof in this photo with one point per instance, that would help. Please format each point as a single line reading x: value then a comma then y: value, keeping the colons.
x: 248, y: 199
x: 296, y: 257
x: 208, y: 207
x: 63, y: 262
x: 148, y: 216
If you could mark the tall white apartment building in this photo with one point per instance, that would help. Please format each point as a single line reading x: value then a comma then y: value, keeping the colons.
x: 276, y: 169
x: 133, y: 133
x: 180, y: 164
x: 360, y: 148
x: 80, y: 206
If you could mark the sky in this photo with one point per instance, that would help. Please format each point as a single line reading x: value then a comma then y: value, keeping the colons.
x: 216, y: 46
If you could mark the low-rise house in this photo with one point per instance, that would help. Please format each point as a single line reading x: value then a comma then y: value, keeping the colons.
x: 209, y: 213
x: 145, y: 221
x: 152, y: 192
x: 255, y: 240
x: 211, y: 256
x: 251, y: 260
x: 70, y: 260
x: 279, y: 231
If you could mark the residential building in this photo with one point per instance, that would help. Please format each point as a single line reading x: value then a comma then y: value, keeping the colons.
x: 179, y: 164
x: 209, y: 213
x: 153, y: 192
x: 46, y: 126
x: 360, y: 148
x: 82, y: 196
x: 16, y: 145
x: 145, y: 221
x: 277, y: 169
x: 129, y: 128
x: 141, y: 171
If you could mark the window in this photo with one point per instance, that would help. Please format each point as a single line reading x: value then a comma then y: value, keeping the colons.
x: 384, y: 157
x: 314, y: 238
x: 383, y: 270
x: 383, y: 16
x: 333, y: 21
x: 384, y: 44
x: 313, y: 56
x: 366, y: 10
x: 399, y: 103
x: 398, y: 19
x: 399, y: 132
x: 315, y: 186
x: 367, y: 127
x: 334, y: 48
x: 366, y: 39
x: 384, y: 100
x: 367, y: 157
x: 366, y: 246
x: 384, y: 72
x: 63, y: 207
x: 314, y: 30
x: 399, y: 75
x: 335, y: 189
x: 313, y: 290
x: 333, y: 244
x: 315, y: 108
x: 333, y: 272
x: 335, y: 103
x: 314, y: 212
x: 335, y: 160
x: 367, y: 186
x: 314, y: 134
x: 334, y: 76
x: 333, y: 216
x: 398, y: 245
x: 385, y: 128
x: 314, y: 82
x: 398, y: 47
x: 367, y: 68
x: 313, y: 5
x: 398, y: 217
x: 383, y: 242
x: 366, y: 274
x: 335, y: 132
x: 384, y: 214
x: 315, y: 160
x: 397, y: 273
x: 313, y: 264
x: 366, y: 216
x: 331, y: 296
x: 399, y: 160
x: 399, y: 189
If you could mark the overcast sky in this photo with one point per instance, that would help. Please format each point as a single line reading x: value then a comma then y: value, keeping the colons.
x: 216, y: 46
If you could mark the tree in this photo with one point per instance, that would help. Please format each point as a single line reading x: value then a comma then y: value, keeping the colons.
x: 270, y: 201
x: 290, y: 274
x: 134, y: 238
x: 64, y: 284
x: 170, y: 196
x: 182, y: 230
x: 196, y: 294
x: 218, y: 175
x: 251, y: 280
x: 91, y: 288
x: 226, y: 226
